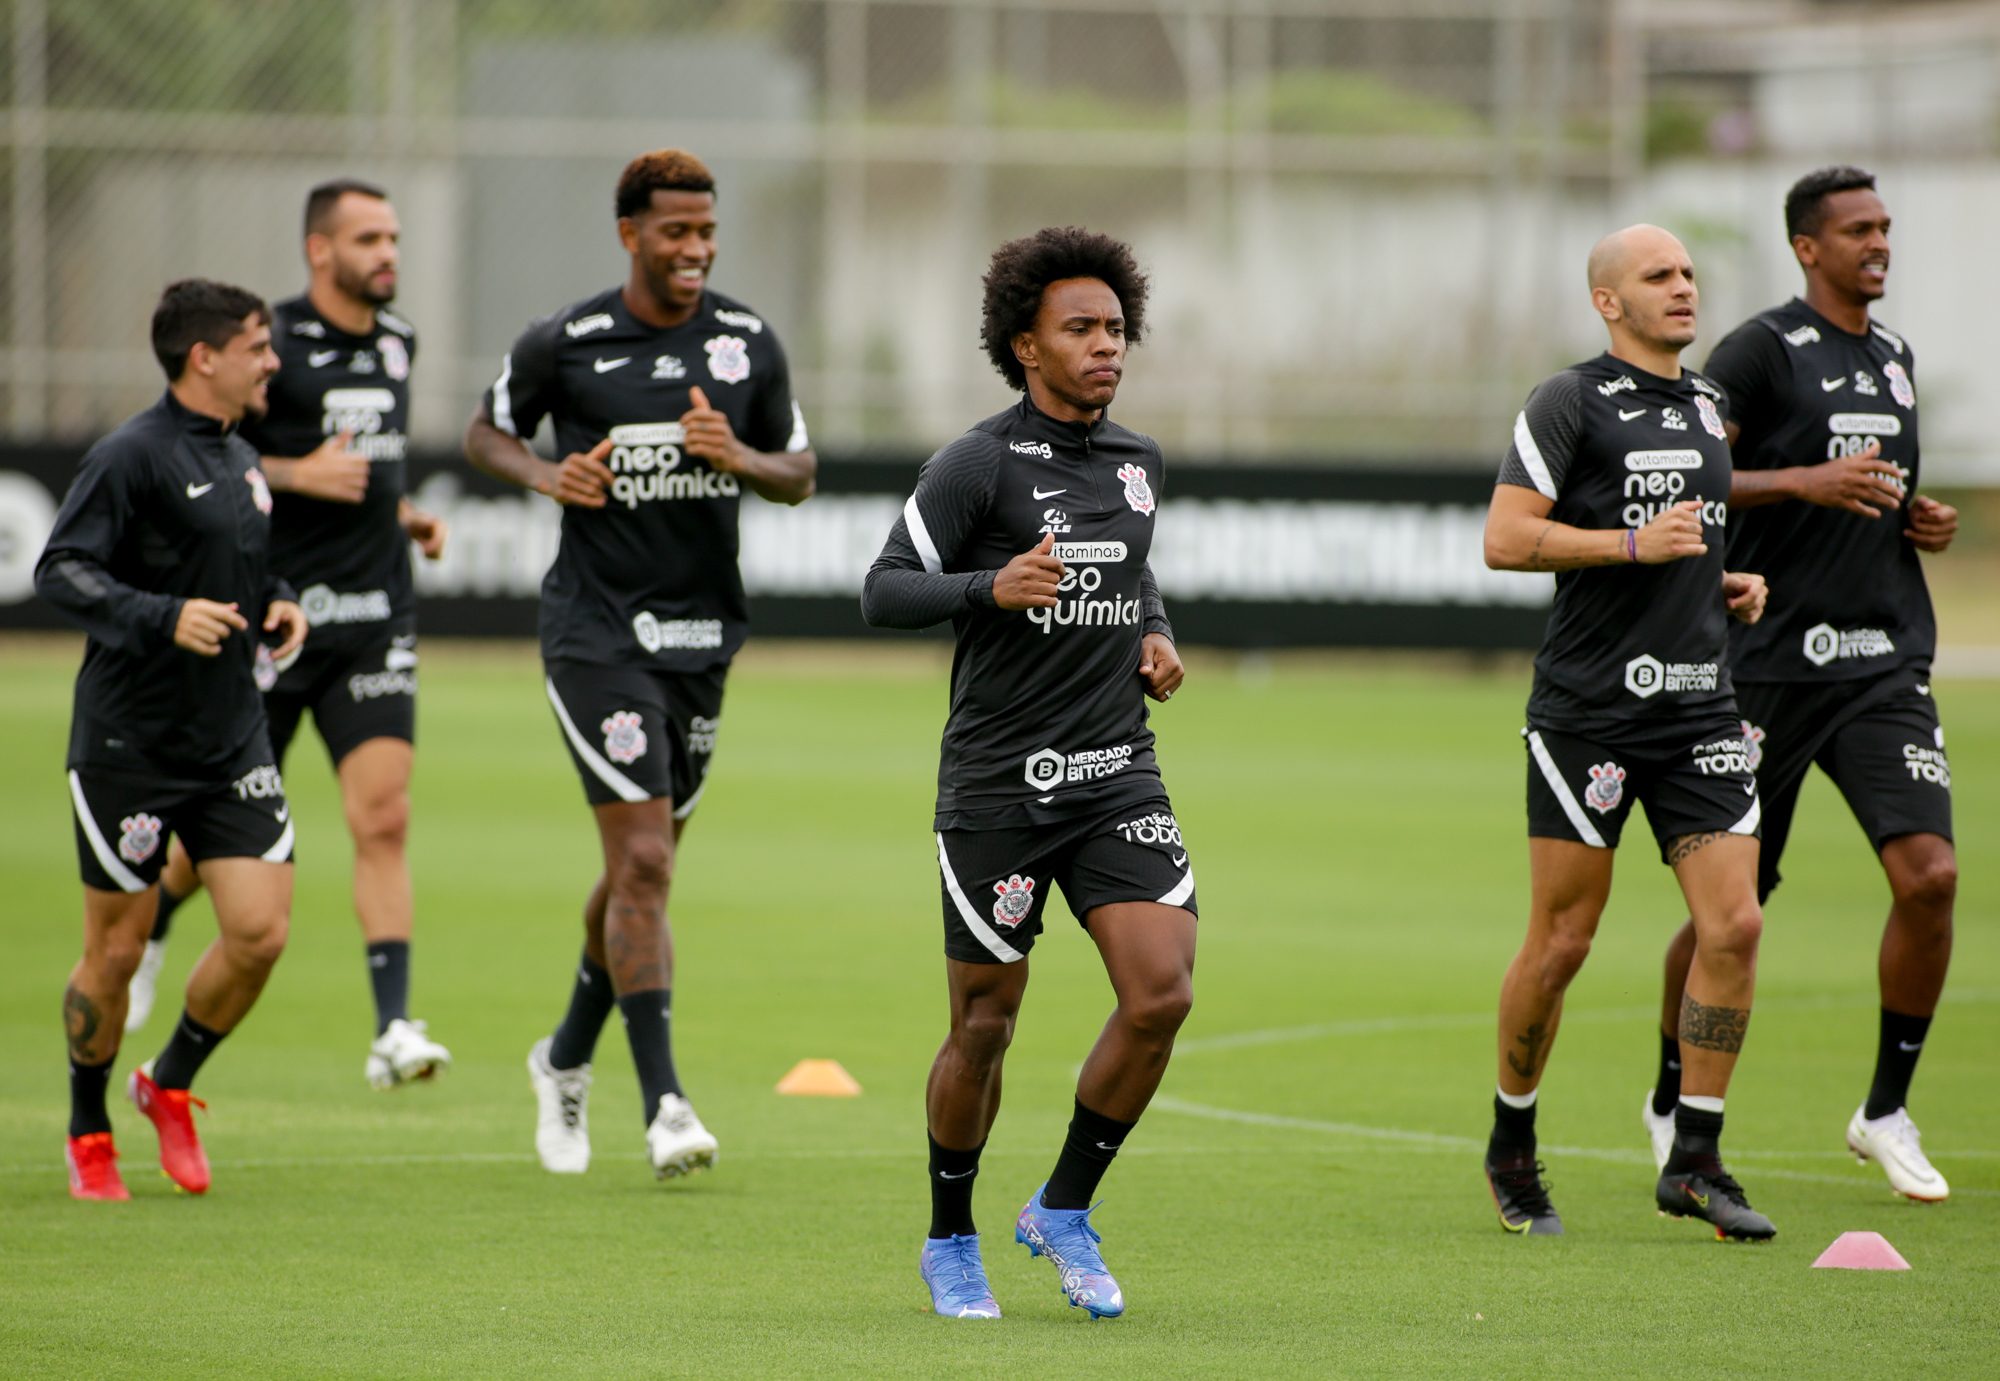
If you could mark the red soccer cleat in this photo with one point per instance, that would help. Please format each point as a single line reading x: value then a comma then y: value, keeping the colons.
x: 181, y: 1156
x: 93, y: 1168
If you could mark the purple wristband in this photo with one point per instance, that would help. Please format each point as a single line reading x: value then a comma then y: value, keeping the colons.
x: 1632, y: 545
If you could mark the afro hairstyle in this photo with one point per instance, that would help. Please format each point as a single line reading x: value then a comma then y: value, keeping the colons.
x: 1022, y: 270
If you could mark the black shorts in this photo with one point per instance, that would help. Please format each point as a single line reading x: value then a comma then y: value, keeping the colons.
x: 996, y: 882
x: 1582, y: 790
x: 123, y: 820
x: 636, y: 734
x: 359, y: 683
x: 1880, y: 742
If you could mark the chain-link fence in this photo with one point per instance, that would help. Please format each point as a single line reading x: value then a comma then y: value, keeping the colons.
x: 1365, y: 219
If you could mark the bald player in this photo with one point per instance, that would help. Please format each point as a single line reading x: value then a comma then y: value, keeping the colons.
x: 1618, y: 480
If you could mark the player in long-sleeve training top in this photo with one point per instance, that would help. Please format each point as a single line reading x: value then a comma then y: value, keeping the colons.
x: 159, y: 555
x: 1030, y: 533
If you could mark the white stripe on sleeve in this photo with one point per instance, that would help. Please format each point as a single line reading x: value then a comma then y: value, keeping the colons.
x: 799, y: 440
x: 974, y: 922
x: 627, y: 789
x: 920, y: 537
x: 1531, y: 456
x: 110, y: 861
x: 503, y: 403
x: 1567, y: 798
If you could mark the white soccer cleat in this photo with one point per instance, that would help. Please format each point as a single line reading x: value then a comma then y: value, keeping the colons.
x: 1661, y: 1129
x: 562, y: 1118
x: 1895, y: 1144
x: 677, y: 1143
x: 404, y: 1052
x: 145, y: 986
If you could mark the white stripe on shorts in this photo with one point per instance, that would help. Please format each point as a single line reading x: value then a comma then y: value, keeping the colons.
x: 974, y: 922
x: 686, y: 808
x: 627, y: 789
x: 1553, y: 775
x: 108, y: 860
x: 1182, y: 891
x: 280, y: 852
x: 1748, y: 824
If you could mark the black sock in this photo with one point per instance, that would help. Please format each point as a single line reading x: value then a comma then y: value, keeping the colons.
x: 1667, y: 1083
x: 590, y: 1002
x: 649, y: 1028
x: 1895, y: 1062
x: 389, y: 972
x: 1697, y: 1140
x: 163, y: 919
x: 1513, y: 1131
x: 952, y: 1174
x: 1087, y: 1153
x: 187, y: 1049
x: 87, y: 1084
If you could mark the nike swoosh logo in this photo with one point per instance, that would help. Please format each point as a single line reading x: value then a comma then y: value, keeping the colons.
x: 1701, y: 1199
x: 1624, y: 416
x: 195, y: 491
x: 1180, y: 861
x: 284, y: 815
x: 1923, y: 690
x: 1049, y: 494
x: 1107, y: 1146
x: 947, y: 1175
x: 1749, y: 788
x: 320, y: 357
x: 1831, y: 384
x: 604, y: 366
x: 1905, y: 1045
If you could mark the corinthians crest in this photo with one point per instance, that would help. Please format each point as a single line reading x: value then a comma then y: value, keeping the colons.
x: 1137, y: 493
x: 1606, y: 789
x: 624, y: 740
x: 728, y: 358
x: 1017, y: 897
x: 140, y: 835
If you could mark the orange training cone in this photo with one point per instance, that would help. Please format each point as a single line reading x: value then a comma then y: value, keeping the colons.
x: 819, y: 1079
x: 1862, y: 1251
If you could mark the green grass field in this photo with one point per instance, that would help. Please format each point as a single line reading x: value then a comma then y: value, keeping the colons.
x: 1305, y: 1199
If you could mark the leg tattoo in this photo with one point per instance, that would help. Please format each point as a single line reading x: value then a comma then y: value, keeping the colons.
x: 1686, y: 846
x: 1534, y: 1038
x: 81, y: 1021
x: 1713, y: 1028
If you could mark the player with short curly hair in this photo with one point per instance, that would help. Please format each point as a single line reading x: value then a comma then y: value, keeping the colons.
x: 1030, y: 533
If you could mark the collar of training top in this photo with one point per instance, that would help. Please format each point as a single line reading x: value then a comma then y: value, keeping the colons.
x: 200, y: 423
x: 1070, y: 436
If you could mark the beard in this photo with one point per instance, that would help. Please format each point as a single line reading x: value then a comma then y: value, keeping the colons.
x: 360, y: 286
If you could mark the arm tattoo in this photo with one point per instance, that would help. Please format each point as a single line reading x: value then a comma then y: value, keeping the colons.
x: 1535, y: 556
x: 1535, y: 1038
x: 1713, y: 1028
x: 1686, y: 846
x: 81, y: 1021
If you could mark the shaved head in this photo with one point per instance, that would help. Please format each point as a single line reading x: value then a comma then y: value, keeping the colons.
x: 1612, y: 257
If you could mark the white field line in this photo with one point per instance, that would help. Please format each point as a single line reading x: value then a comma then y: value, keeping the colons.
x: 1438, y: 1141
x: 1446, y: 1021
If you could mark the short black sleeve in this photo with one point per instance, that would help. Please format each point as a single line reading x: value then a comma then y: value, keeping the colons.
x: 1751, y: 369
x: 776, y: 424
x: 525, y: 392
x: 1545, y: 433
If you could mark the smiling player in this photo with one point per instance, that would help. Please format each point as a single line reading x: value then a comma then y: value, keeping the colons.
x: 1030, y: 533
x: 1823, y: 421
x: 1618, y: 478
x: 668, y: 400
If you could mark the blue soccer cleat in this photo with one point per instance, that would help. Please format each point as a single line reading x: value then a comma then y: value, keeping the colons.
x: 957, y: 1277
x: 1065, y: 1236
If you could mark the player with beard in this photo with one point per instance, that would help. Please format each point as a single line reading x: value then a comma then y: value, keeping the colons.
x: 333, y: 445
x: 1618, y: 478
x: 1823, y: 423
x: 1030, y: 533
x: 159, y: 554
x: 668, y: 399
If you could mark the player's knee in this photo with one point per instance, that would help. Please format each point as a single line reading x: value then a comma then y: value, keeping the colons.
x: 118, y: 956
x: 644, y: 861
x: 258, y: 943
x: 1932, y: 885
x: 1562, y: 954
x: 982, y: 1036
x: 1159, y: 1014
x: 381, y: 826
x: 1737, y: 932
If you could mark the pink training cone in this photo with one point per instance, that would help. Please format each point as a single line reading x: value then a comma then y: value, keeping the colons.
x: 1862, y: 1251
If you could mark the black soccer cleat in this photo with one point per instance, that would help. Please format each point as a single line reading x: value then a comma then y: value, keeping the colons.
x: 1522, y: 1196
x: 1714, y: 1196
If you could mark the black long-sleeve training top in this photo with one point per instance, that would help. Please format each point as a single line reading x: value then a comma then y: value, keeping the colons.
x: 169, y: 507
x: 1048, y: 712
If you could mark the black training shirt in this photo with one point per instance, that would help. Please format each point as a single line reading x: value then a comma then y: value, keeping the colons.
x: 650, y: 579
x: 1630, y: 648
x: 1848, y: 598
x: 169, y: 507
x: 1048, y: 711
x: 350, y: 563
